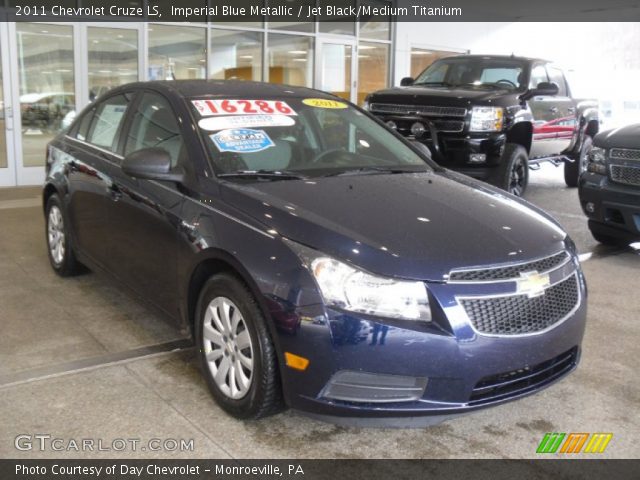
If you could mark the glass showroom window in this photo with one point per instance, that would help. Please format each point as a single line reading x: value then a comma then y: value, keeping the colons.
x: 235, y: 55
x: 373, y: 68
x: 47, y: 86
x: 113, y: 59
x: 177, y: 52
x: 376, y: 30
x: 290, y: 60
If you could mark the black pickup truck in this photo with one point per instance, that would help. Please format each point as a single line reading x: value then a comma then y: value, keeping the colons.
x: 493, y: 117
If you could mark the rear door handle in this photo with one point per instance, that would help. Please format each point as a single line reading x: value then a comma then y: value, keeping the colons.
x: 553, y: 109
x: 571, y: 110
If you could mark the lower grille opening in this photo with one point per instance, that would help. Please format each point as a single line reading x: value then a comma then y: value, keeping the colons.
x: 523, y: 380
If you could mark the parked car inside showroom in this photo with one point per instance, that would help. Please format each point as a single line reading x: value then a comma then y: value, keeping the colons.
x: 610, y: 187
x: 493, y: 117
x: 320, y: 260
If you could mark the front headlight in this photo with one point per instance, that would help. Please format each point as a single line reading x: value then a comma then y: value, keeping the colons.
x: 597, y: 161
x: 349, y: 288
x: 486, y: 119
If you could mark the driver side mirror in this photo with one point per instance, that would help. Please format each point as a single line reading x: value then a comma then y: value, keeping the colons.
x: 544, y: 88
x: 151, y: 164
x: 407, y: 81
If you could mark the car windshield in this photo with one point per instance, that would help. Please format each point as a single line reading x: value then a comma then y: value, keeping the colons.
x: 294, y: 138
x: 475, y: 72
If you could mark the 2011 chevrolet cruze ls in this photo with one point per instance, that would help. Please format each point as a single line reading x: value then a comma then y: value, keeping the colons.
x: 320, y: 260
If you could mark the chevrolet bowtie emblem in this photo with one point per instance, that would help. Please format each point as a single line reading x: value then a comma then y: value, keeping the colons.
x: 533, y: 284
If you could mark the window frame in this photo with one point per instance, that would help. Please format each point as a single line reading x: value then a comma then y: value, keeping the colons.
x: 117, y: 138
x: 549, y: 67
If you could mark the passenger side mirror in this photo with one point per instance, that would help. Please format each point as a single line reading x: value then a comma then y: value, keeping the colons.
x: 151, y: 164
x: 406, y: 81
x: 544, y: 88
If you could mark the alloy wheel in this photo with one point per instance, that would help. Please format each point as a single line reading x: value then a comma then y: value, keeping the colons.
x: 228, y: 348
x: 55, y: 235
x: 517, y: 178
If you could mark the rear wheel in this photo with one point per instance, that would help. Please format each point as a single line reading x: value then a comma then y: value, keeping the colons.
x: 512, y: 174
x: 235, y: 349
x: 60, y: 249
x: 573, y: 170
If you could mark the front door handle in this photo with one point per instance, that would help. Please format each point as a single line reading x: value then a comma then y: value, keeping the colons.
x: 571, y: 110
x: 114, y: 192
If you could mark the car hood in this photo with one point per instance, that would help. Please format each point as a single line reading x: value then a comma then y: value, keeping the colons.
x: 625, y: 137
x: 416, y: 226
x: 451, y: 97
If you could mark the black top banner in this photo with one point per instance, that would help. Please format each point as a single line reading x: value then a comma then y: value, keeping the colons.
x: 222, y: 11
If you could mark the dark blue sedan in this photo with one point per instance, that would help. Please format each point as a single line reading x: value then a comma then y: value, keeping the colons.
x: 320, y: 260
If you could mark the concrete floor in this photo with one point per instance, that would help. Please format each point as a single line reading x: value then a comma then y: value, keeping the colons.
x: 47, y: 321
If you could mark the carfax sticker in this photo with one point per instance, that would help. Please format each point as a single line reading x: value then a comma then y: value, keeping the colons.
x: 242, y: 140
x: 242, y: 107
x: 224, y: 122
x: 323, y: 103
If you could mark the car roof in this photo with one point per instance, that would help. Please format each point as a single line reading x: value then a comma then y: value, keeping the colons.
x: 232, y: 88
x: 500, y: 57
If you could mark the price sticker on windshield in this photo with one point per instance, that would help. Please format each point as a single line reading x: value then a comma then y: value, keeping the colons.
x: 324, y: 103
x: 242, y: 107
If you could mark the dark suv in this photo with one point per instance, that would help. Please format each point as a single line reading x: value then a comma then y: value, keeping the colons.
x: 320, y: 259
x: 610, y: 188
x: 493, y: 117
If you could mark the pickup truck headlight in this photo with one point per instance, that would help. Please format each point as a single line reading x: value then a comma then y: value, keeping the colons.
x: 486, y: 119
x: 349, y: 288
x: 597, y: 161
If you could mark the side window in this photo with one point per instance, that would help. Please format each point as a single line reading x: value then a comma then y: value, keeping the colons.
x: 82, y: 128
x: 556, y: 76
x: 538, y: 75
x: 155, y: 125
x: 108, y: 118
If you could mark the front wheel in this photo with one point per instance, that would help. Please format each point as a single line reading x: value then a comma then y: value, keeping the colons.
x: 573, y: 170
x: 236, y: 353
x: 512, y: 174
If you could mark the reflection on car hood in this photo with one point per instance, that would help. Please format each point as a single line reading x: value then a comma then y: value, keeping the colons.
x: 418, y: 225
x: 625, y: 137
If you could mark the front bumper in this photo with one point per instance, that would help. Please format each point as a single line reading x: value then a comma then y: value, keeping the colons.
x: 458, y: 363
x: 615, y: 207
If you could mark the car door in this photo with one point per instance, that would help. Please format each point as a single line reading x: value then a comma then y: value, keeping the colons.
x: 545, y: 113
x: 91, y: 149
x: 145, y: 215
x: 565, y: 123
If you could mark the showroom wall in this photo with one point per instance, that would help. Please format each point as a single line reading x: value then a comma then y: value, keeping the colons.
x: 592, y: 55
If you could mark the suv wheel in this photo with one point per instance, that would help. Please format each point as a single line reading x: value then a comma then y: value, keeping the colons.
x: 61, y: 255
x: 235, y: 350
x: 512, y: 174
x: 573, y: 170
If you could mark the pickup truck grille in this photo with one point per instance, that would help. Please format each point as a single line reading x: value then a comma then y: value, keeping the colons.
x: 625, y: 174
x: 521, y: 315
x: 426, y: 111
x: 624, y: 154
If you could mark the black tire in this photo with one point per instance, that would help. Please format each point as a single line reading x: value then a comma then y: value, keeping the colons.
x: 66, y: 264
x: 607, y: 239
x: 512, y: 174
x: 264, y: 396
x: 573, y: 170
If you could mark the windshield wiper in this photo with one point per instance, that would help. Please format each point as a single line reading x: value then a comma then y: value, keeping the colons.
x: 444, y: 84
x: 370, y: 170
x: 274, y: 174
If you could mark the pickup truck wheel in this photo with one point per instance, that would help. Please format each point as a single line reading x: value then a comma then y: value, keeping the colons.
x: 235, y: 349
x: 512, y: 174
x: 573, y: 170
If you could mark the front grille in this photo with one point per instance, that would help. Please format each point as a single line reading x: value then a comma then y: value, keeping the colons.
x: 425, y: 110
x: 519, y: 314
x: 624, y: 154
x: 523, y: 380
x: 509, y: 272
x: 626, y: 175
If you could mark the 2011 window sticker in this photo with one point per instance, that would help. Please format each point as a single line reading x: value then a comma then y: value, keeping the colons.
x: 324, y: 103
x: 224, y: 122
x: 241, y: 140
x: 242, y: 107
